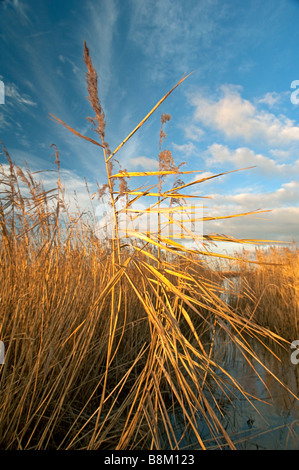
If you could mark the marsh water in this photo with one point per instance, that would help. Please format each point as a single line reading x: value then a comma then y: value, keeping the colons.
x: 270, y: 420
x: 266, y: 420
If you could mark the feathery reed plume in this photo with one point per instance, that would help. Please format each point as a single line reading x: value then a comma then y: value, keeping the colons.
x: 93, y: 97
x: 166, y: 163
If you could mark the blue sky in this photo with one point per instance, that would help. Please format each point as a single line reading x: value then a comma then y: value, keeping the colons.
x: 234, y: 111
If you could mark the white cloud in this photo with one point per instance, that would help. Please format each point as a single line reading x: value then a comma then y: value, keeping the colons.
x: 281, y: 154
x: 237, y: 117
x: 204, y: 174
x: 193, y: 132
x: 244, y: 157
x: 278, y: 225
x: 145, y: 163
x: 281, y: 223
x: 188, y: 149
x: 288, y: 193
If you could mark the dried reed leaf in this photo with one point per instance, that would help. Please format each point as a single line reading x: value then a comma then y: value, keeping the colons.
x: 165, y: 195
x: 210, y: 177
x: 148, y: 115
x: 125, y: 174
x: 76, y: 132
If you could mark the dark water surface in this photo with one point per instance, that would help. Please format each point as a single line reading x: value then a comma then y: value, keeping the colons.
x: 271, y: 420
x: 272, y: 423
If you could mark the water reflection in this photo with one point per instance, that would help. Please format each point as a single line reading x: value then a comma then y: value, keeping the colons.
x: 268, y: 422
x: 271, y: 421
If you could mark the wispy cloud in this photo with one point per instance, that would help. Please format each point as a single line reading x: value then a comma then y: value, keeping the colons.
x: 270, y: 99
x: 19, y: 7
x: 15, y: 101
x: 66, y: 60
x: 18, y: 98
x: 164, y: 32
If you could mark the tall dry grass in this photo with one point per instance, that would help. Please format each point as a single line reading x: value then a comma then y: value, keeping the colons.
x: 269, y: 292
x: 105, y: 343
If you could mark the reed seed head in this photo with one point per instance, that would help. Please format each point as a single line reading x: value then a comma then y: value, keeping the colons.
x: 92, y: 86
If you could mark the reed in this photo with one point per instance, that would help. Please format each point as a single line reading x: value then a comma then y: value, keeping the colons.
x: 106, y: 343
x: 268, y: 291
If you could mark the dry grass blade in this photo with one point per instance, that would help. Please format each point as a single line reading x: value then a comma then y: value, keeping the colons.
x: 76, y: 132
x: 163, y: 194
x: 235, y: 215
x: 202, y: 180
x: 125, y: 174
x: 148, y: 115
